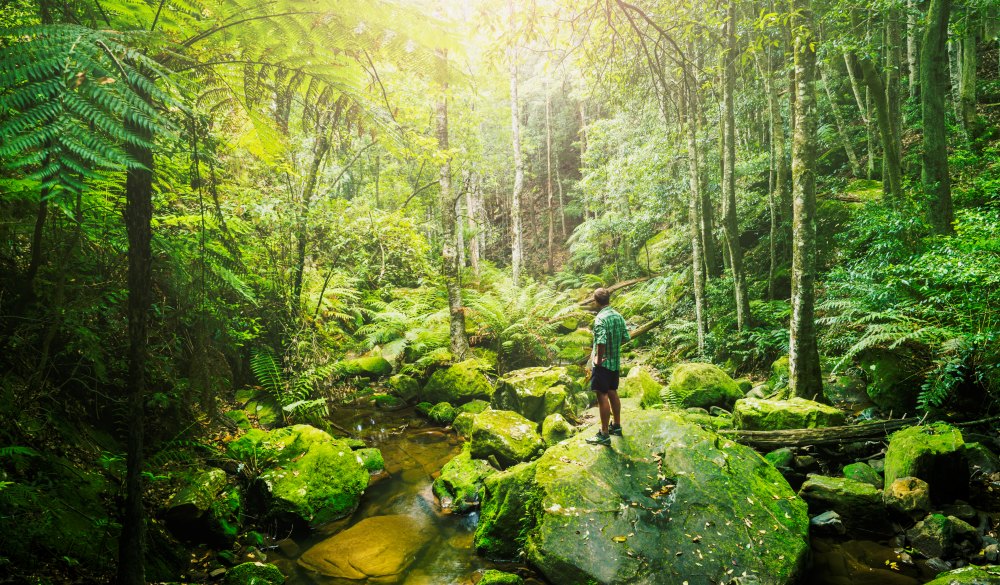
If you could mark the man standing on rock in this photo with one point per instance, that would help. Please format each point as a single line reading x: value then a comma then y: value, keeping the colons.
x: 610, y: 333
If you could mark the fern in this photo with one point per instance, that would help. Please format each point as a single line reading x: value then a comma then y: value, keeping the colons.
x: 17, y: 451
x: 267, y: 370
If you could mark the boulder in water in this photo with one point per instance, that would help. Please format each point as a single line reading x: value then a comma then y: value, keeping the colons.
x: 377, y: 549
x: 703, y: 385
x: 859, y: 504
x: 406, y: 388
x: 936, y: 454
x: 538, y: 392
x: 311, y: 478
x: 668, y: 502
x: 255, y: 573
x: 374, y: 366
x: 506, y: 436
x: 460, y: 482
x: 458, y: 383
x: 753, y: 414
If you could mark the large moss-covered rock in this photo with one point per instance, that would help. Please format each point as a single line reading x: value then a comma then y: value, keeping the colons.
x: 639, y: 383
x: 780, y: 371
x: 666, y: 503
x: 205, y: 509
x: 458, y: 384
x: 859, y: 504
x: 373, y: 366
x: 255, y: 573
x: 756, y: 414
x: 461, y: 481
x: 942, y: 536
x: 442, y: 413
x: 894, y: 380
x: 536, y: 393
x: 507, y: 513
x: 494, y: 577
x: 375, y: 550
x: 310, y: 478
x: 936, y: 454
x: 861, y: 471
x: 971, y: 575
x: 406, y: 388
x: 506, y: 436
x: 556, y: 428
x: 703, y: 385
x: 463, y: 424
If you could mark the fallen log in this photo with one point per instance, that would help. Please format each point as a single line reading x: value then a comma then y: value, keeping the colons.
x: 871, y: 431
x: 589, y: 301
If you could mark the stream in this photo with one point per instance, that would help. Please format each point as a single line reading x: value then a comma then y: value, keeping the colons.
x: 414, y: 453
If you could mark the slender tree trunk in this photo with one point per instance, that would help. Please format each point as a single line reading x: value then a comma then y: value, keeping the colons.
x: 933, y: 88
x: 967, y: 87
x: 320, y: 148
x: 548, y: 179
x: 515, y: 203
x: 729, y: 176
x: 459, y: 342
x: 893, y: 82
x: 954, y: 67
x: 804, y: 378
x: 890, y: 150
x: 562, y: 205
x: 694, y: 212
x: 912, y: 56
x: 845, y: 140
x: 460, y: 225
x: 138, y: 225
x: 472, y: 214
x: 777, y: 193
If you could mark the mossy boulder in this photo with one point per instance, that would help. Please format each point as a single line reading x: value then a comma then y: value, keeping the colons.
x: 263, y: 408
x: 373, y: 366
x: 703, y: 385
x: 781, y: 458
x: 668, y: 502
x: 575, y: 347
x: 538, y: 392
x: 474, y: 406
x: 461, y: 481
x: 494, y: 577
x: 375, y: 550
x: 507, y: 512
x: 942, y: 536
x: 442, y: 413
x: 934, y: 453
x: 310, y: 477
x: 640, y: 383
x: 894, y: 380
x: 406, y: 388
x: 371, y: 459
x: 423, y: 408
x: 780, y: 371
x: 254, y: 574
x: 506, y: 436
x: 206, y: 509
x: 861, y: 471
x: 755, y: 414
x: 981, y: 457
x: 859, y: 504
x: 846, y: 389
x: 908, y: 497
x: 556, y: 428
x: 458, y: 384
x: 388, y: 401
x: 240, y: 418
x: 971, y: 575
x: 463, y: 424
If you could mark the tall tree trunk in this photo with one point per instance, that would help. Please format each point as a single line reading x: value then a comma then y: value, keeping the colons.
x: 320, y: 148
x: 459, y: 342
x: 890, y: 149
x: 845, y: 140
x: 548, y: 178
x: 472, y: 217
x: 804, y: 377
x: 729, y: 176
x: 967, y: 87
x: 912, y: 56
x: 138, y: 225
x: 460, y: 224
x: 515, y: 202
x: 893, y: 68
x: 933, y: 91
x: 694, y: 215
x: 780, y: 187
x: 562, y: 205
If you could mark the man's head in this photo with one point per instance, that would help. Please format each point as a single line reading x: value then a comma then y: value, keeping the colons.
x: 602, y: 296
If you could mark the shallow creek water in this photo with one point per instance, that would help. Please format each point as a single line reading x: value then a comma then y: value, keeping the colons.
x: 414, y: 454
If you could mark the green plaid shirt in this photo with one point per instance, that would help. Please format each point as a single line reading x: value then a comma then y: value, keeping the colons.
x: 610, y: 329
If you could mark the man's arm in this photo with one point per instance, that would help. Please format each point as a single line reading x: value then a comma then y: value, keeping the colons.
x: 600, y: 354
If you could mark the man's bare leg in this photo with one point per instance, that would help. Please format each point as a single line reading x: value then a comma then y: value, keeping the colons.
x: 604, y: 406
x: 616, y: 406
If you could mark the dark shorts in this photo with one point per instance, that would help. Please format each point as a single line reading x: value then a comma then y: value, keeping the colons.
x: 604, y: 380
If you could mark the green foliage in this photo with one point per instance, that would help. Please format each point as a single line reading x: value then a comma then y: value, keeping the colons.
x: 293, y: 394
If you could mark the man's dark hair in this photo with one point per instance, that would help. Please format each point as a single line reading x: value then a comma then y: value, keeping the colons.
x: 602, y: 296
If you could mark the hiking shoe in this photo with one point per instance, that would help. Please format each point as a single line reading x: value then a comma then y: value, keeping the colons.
x: 600, y: 439
x: 615, y: 430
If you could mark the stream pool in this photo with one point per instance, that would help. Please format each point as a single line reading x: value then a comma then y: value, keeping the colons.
x: 415, y: 452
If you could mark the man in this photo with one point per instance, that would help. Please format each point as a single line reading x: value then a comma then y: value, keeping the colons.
x: 610, y: 333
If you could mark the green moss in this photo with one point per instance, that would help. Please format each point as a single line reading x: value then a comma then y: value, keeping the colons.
x: 703, y: 385
x: 374, y: 366
x: 858, y: 503
x: 795, y: 413
x: 970, y: 575
x: 458, y: 383
x: 240, y: 418
x: 424, y: 408
x: 494, y: 577
x: 442, y: 413
x: 780, y: 458
x: 780, y: 370
x: 538, y: 392
x: 934, y: 453
x: 254, y: 574
x: 461, y: 480
x: 404, y: 387
x: 371, y: 459
x: 475, y: 406
x: 507, y: 436
x: 508, y: 512
x: 556, y: 428
x: 639, y: 382
x: 387, y: 401
x: 863, y: 472
x: 463, y: 424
